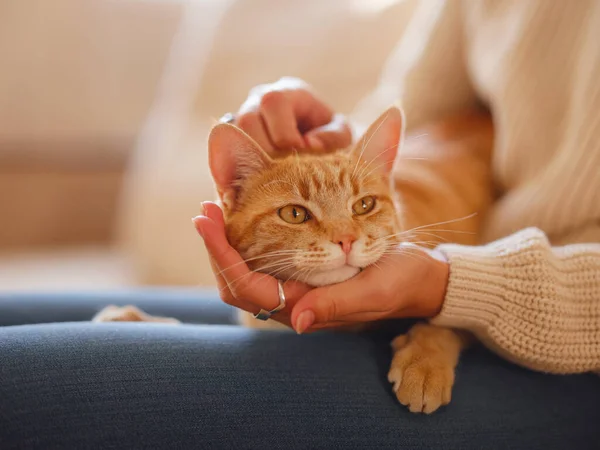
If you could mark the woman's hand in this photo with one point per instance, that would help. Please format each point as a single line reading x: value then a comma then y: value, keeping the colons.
x: 238, y: 285
x: 410, y: 282
x: 287, y: 114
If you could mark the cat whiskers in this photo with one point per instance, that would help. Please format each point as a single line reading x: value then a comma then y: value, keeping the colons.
x: 429, y: 229
x: 261, y: 256
x: 409, y: 236
x: 418, y: 136
x: 274, y: 273
x: 278, y: 266
x: 361, y: 176
x: 427, y: 233
x: 376, y: 264
x: 393, y: 240
x: 311, y: 271
x: 280, y: 270
x: 445, y: 222
x: 294, y: 276
x: 406, y: 251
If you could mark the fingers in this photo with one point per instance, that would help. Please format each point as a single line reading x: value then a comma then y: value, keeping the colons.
x: 310, y: 111
x: 224, y: 291
x: 332, y: 136
x: 277, y: 110
x: 220, y: 253
x: 212, y: 211
x: 342, y: 303
x: 254, y: 126
x: 224, y: 256
x: 288, y: 115
x: 239, y: 286
x: 229, y: 264
x: 249, y: 291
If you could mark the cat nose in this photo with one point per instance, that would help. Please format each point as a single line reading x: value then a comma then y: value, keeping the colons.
x: 345, y: 242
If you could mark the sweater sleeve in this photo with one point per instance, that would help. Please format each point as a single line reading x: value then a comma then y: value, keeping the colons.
x: 533, y: 304
x: 427, y: 71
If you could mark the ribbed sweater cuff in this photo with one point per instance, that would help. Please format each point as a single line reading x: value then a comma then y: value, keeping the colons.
x: 533, y: 305
x: 478, y: 284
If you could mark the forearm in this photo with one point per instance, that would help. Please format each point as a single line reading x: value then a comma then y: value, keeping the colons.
x: 534, y: 304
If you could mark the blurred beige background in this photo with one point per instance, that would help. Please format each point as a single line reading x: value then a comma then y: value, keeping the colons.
x: 105, y: 106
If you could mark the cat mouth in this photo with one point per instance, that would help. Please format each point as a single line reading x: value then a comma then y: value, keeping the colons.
x: 360, y: 269
x: 333, y: 275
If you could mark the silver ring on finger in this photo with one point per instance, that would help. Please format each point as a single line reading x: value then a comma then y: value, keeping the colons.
x: 227, y: 118
x: 266, y: 315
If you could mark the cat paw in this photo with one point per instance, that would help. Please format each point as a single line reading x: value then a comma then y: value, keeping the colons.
x: 422, y: 378
x: 128, y: 313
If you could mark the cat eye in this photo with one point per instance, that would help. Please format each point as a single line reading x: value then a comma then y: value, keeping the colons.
x: 364, y: 205
x: 294, y: 214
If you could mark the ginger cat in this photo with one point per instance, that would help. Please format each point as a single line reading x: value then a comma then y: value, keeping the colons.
x: 322, y: 219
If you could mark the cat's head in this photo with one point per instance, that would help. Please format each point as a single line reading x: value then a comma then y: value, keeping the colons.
x: 316, y: 218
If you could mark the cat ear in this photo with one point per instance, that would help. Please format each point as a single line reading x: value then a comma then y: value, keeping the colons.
x: 378, y: 147
x: 233, y: 156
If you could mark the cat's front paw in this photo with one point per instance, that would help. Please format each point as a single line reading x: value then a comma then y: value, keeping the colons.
x: 422, y: 372
x: 128, y: 313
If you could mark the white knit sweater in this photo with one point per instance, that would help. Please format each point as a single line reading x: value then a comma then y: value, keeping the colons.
x: 532, y: 294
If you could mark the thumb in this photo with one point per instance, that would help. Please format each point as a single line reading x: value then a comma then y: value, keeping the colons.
x: 346, y: 302
x: 332, y: 136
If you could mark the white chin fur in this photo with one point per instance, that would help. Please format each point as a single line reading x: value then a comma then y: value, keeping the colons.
x: 332, y: 276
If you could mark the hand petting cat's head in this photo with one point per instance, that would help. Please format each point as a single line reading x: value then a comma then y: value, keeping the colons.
x: 318, y: 218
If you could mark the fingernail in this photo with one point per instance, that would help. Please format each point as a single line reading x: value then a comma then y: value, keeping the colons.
x: 198, y: 229
x: 202, y: 209
x: 315, y: 143
x: 304, y: 321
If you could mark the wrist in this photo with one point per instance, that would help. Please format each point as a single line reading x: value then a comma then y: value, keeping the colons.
x: 435, y: 285
x: 432, y: 284
x: 424, y: 296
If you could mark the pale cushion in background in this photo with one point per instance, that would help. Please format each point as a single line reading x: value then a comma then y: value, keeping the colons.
x: 77, y: 80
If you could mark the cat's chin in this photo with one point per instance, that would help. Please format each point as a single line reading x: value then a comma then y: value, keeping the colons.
x: 332, y: 276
